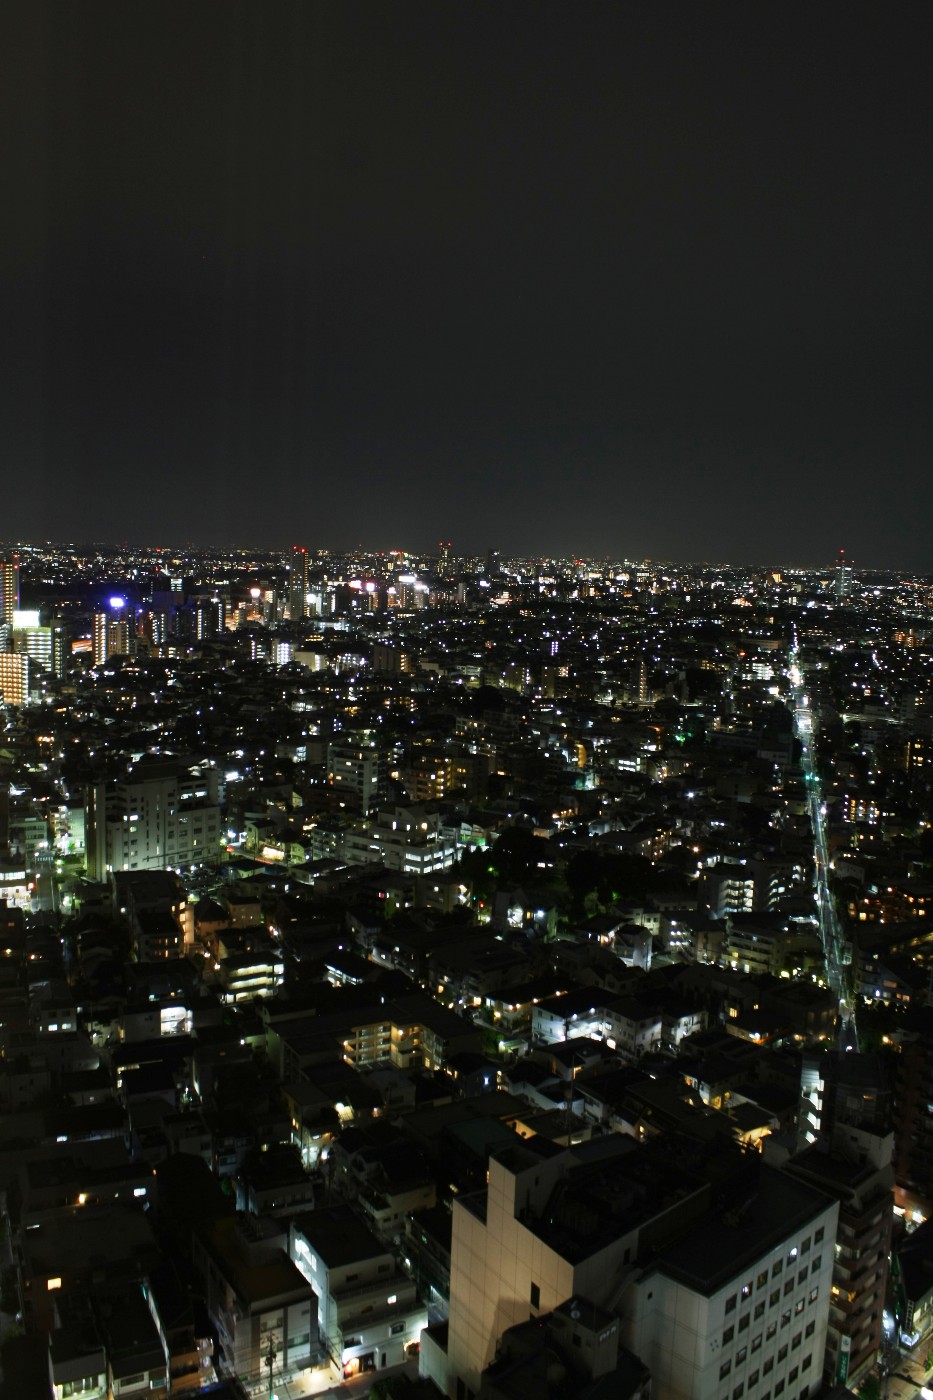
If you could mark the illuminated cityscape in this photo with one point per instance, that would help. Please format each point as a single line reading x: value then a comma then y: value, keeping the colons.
x: 466, y: 701
x: 473, y: 939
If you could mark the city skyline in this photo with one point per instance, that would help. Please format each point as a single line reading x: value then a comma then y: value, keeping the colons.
x: 611, y: 280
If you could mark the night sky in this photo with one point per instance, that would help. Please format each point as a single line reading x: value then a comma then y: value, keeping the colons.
x: 637, y: 279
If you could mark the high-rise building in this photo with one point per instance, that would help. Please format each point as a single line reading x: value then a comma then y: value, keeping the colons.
x: 298, y: 584
x: 37, y: 642
x: 14, y: 678
x: 844, y: 578
x: 113, y: 631
x: 9, y: 589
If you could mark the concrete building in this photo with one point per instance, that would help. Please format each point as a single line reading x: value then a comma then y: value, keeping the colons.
x: 164, y: 816
x: 357, y: 774
x: 404, y: 838
x: 717, y: 1266
x: 9, y: 588
x: 14, y: 678
x: 113, y: 632
x: 369, y: 1315
x: 259, y: 1300
x: 846, y: 1131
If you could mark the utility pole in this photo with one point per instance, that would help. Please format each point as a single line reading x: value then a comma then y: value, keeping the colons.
x: 269, y: 1358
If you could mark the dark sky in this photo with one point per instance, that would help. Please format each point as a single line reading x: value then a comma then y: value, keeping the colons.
x: 627, y: 278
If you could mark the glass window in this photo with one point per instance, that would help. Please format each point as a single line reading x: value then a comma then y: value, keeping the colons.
x: 805, y: 1246
x: 785, y: 1317
x: 809, y: 1329
x: 762, y: 1281
x: 813, y: 1295
x: 818, y: 1235
x: 756, y: 1342
x: 724, y: 1370
x: 801, y: 1277
x: 796, y: 1340
x: 793, y: 1373
x: 739, y: 1391
x: 778, y: 1388
x: 771, y: 1329
x: 731, y: 1302
x: 798, y: 1307
x: 535, y: 1296
x: 747, y: 1289
x: 727, y: 1336
x: 816, y: 1263
x: 753, y: 1379
x: 776, y: 1267
x: 788, y: 1287
x: 775, y: 1297
x: 782, y: 1353
x: 805, y: 1363
x: 741, y: 1355
x: 759, y: 1310
x: 769, y: 1365
x: 744, y: 1320
x: 792, y: 1255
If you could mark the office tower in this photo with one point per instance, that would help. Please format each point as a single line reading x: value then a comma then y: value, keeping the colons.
x: 298, y: 584
x: 113, y: 632
x: 493, y: 563
x: 844, y: 578
x: 9, y: 589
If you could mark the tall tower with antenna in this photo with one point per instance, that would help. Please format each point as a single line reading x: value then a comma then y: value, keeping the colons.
x: 844, y: 577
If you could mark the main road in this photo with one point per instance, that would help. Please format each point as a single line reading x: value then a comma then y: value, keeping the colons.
x: 837, y: 951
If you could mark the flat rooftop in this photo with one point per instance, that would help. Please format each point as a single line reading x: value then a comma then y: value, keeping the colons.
x: 726, y: 1240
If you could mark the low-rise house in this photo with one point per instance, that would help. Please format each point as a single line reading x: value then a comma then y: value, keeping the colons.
x: 185, y: 1339
x: 255, y: 1294
x: 136, y: 1361
x: 369, y: 1315
x: 77, y: 1356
